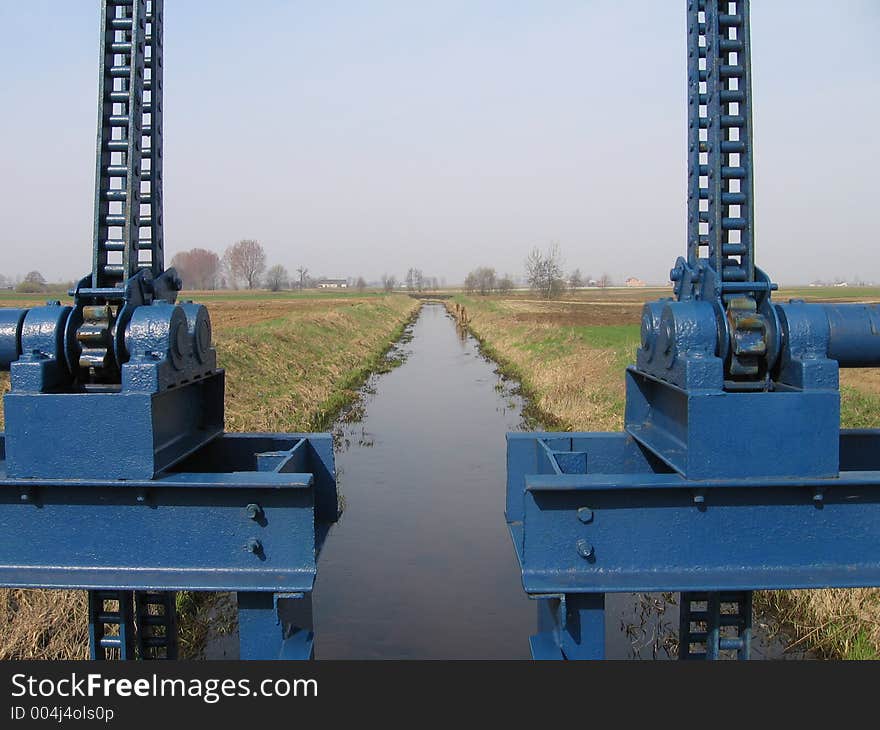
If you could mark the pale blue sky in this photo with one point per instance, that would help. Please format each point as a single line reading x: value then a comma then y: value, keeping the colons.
x: 363, y: 137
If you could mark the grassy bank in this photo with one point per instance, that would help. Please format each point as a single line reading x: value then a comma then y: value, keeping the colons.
x: 291, y: 364
x: 569, y: 358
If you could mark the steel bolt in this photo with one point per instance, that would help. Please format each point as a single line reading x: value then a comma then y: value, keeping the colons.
x: 585, y: 514
x: 254, y: 546
x: 585, y: 549
x: 254, y: 511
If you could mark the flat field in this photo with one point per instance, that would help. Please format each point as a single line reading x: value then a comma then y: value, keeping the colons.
x: 569, y: 355
x: 292, y: 362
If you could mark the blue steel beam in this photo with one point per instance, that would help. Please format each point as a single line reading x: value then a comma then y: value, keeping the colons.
x: 185, y: 530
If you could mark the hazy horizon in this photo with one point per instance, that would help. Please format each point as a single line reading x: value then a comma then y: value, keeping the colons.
x: 361, y: 140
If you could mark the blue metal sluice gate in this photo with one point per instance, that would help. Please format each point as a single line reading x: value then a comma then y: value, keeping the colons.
x: 115, y: 473
x: 732, y: 473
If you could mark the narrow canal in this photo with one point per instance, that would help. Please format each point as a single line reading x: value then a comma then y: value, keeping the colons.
x: 421, y: 565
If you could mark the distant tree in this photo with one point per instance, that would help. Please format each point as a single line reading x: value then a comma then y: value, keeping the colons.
x: 575, y: 280
x: 198, y: 267
x: 32, y: 283
x: 544, y: 271
x: 360, y: 284
x: 246, y: 260
x: 415, y: 280
x: 470, y: 283
x: 388, y: 283
x: 303, y: 273
x: 505, y: 284
x: 604, y: 281
x: 484, y: 280
x: 277, y: 278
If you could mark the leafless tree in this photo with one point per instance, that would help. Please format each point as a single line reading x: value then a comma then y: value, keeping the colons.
x: 505, y: 284
x: 544, y: 271
x: 604, y: 280
x: 484, y: 280
x: 33, y: 282
x: 575, y: 280
x: 360, y: 284
x: 388, y: 283
x: 415, y: 280
x: 246, y: 260
x: 198, y: 267
x: 277, y: 278
x: 303, y: 273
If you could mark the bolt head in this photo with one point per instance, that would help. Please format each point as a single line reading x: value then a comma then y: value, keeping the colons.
x: 585, y: 515
x: 585, y: 549
x: 254, y: 511
x: 254, y: 546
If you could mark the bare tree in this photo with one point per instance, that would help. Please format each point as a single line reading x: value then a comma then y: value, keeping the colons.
x: 575, y: 280
x: 544, y: 271
x: 505, y: 284
x: 198, y: 267
x: 246, y: 260
x: 388, y: 283
x: 33, y: 282
x: 277, y: 278
x: 303, y: 273
x: 481, y: 280
x: 604, y: 280
x: 360, y: 284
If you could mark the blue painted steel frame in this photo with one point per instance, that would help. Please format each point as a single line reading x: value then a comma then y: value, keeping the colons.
x: 596, y: 513
x: 245, y: 513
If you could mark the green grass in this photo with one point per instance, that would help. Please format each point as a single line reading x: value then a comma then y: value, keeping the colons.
x: 623, y: 340
x: 827, y: 292
x: 862, y: 649
x: 858, y: 409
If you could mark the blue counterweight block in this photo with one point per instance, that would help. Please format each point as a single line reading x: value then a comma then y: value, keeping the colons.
x: 150, y: 431
x: 246, y: 513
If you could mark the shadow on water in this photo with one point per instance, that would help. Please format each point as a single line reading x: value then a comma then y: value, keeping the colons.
x: 420, y: 565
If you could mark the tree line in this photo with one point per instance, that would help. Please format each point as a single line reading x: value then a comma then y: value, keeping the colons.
x: 544, y: 274
x: 244, y: 265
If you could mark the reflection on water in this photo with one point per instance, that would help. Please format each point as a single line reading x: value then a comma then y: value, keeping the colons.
x: 421, y: 565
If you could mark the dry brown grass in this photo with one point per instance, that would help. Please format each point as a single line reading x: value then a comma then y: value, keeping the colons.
x: 866, y: 380
x: 571, y: 383
x: 43, y: 625
x: 836, y: 623
x: 290, y: 365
